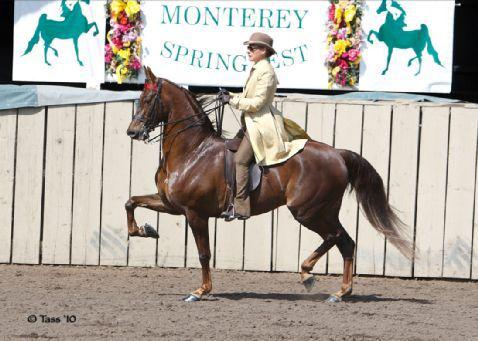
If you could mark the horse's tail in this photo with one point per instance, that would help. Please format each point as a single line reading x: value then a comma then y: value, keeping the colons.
x: 36, y: 35
x: 430, y: 49
x: 368, y: 186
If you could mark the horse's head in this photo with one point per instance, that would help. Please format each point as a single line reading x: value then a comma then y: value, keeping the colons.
x: 151, y: 111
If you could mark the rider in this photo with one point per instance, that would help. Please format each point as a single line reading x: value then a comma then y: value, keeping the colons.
x: 395, y: 10
x: 65, y: 10
x: 266, y: 139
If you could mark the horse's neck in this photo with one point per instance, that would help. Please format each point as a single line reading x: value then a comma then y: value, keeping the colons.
x: 183, y: 138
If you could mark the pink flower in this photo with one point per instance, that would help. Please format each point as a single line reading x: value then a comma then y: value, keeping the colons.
x: 343, y: 64
x: 342, y: 33
x: 136, y: 64
x: 353, y: 54
x: 118, y: 42
x: 331, y: 54
x: 108, y: 54
x: 332, y: 12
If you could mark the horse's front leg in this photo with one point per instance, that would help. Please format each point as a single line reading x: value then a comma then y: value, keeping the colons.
x: 152, y: 202
x: 89, y: 26
x: 369, y: 38
x: 75, y: 42
x: 200, y: 228
x: 389, y: 56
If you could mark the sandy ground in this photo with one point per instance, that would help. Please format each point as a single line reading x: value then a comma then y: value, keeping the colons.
x: 144, y: 303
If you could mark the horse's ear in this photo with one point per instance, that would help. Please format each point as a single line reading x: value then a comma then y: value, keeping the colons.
x: 147, y: 71
x: 153, y: 77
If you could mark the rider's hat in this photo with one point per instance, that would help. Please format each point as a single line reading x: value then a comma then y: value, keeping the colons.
x: 262, y: 39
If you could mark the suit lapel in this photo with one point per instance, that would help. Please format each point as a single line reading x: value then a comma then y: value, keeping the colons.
x: 249, y: 82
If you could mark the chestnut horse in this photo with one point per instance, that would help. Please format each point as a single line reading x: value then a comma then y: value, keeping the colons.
x: 190, y: 181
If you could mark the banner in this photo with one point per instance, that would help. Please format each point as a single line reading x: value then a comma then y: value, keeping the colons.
x: 398, y: 45
x: 201, y: 42
x: 417, y: 39
x: 59, y: 41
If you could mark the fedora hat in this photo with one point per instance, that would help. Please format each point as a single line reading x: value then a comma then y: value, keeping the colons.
x: 259, y: 38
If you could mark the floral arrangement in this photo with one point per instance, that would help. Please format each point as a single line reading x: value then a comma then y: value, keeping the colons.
x: 343, y: 42
x: 123, y: 49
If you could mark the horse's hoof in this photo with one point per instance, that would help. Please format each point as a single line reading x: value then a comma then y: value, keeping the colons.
x: 309, y: 283
x: 150, y: 232
x: 333, y: 299
x: 192, y: 298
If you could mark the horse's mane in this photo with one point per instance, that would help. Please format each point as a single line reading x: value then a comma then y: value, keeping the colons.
x: 199, y: 102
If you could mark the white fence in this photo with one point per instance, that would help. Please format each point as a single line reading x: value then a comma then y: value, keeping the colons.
x: 66, y: 172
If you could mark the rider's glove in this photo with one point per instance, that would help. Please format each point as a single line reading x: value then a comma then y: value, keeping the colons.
x: 224, y: 96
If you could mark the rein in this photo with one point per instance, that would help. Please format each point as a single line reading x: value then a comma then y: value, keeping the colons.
x: 154, y: 113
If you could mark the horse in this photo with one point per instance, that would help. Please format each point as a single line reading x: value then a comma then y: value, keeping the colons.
x: 190, y: 181
x: 394, y: 36
x: 74, y: 25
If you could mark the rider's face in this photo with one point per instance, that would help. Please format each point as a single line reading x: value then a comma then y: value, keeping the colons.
x: 256, y: 53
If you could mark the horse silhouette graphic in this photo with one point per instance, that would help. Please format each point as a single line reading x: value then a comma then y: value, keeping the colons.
x: 72, y: 27
x: 392, y: 33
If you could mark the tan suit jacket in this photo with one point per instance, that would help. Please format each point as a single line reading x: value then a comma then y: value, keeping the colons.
x: 265, y: 125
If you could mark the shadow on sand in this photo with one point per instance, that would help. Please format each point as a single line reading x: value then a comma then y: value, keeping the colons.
x: 237, y: 296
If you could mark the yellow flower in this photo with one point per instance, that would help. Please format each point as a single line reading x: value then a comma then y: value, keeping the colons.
x: 340, y: 46
x: 114, y: 49
x: 132, y: 7
x: 117, y: 6
x: 352, y: 81
x: 350, y: 12
x: 335, y: 71
x: 124, y: 53
x: 120, y: 75
x: 338, y: 14
x: 344, y: 3
x: 127, y: 44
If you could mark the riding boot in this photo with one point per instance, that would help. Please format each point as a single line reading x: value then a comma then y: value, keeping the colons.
x: 242, y: 159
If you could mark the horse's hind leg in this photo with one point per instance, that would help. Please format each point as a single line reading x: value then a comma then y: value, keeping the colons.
x: 346, y: 247
x: 411, y: 60
x: 419, y: 57
x: 307, y: 265
x: 45, y: 53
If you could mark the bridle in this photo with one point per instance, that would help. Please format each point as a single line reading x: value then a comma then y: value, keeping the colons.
x: 151, y: 122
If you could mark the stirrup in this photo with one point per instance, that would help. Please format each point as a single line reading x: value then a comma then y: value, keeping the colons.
x: 229, y: 214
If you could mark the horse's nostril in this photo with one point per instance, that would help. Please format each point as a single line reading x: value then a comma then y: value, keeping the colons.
x: 132, y: 134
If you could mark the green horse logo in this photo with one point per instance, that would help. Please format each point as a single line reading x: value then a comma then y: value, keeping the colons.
x: 392, y: 33
x: 72, y: 27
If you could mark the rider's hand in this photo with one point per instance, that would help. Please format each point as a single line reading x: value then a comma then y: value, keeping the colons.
x: 224, y: 96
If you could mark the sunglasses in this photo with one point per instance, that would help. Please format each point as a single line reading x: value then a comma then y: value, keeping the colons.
x: 252, y: 48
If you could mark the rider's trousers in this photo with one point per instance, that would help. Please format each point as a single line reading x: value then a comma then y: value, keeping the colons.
x: 242, y: 159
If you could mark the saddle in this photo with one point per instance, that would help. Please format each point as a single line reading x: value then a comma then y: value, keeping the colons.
x: 255, y: 172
